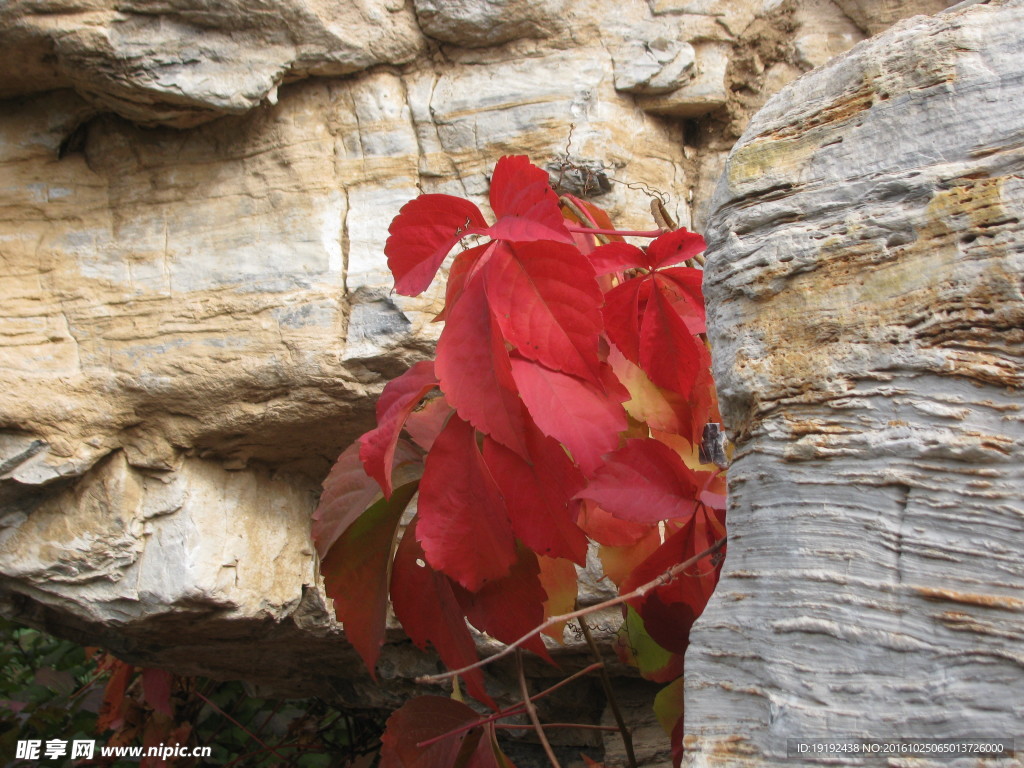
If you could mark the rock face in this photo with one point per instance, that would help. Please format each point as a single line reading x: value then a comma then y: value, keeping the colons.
x: 196, y: 310
x: 866, y: 267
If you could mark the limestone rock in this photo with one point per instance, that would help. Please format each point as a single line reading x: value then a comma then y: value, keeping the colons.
x: 705, y: 92
x: 197, y: 322
x: 197, y: 312
x: 475, y: 23
x: 658, y: 66
x: 865, y: 311
x: 874, y: 16
x: 183, y: 62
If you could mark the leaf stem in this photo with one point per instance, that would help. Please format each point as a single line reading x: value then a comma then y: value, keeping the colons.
x: 532, y: 711
x: 554, y: 621
x: 254, y: 737
x: 580, y: 726
x: 518, y: 709
x: 614, y: 232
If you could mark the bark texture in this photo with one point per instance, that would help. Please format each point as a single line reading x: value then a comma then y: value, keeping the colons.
x: 866, y: 313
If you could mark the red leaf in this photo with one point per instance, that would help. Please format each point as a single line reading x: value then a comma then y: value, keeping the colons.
x: 684, y: 287
x: 669, y: 354
x: 577, y: 413
x: 616, y: 257
x: 670, y: 610
x: 669, y: 623
x: 422, y: 234
x: 547, y: 304
x: 156, y: 690
x: 463, y: 523
x: 348, y: 491
x: 465, y: 266
x: 356, y: 570
x: 643, y: 322
x: 623, y: 310
x: 475, y: 373
x: 608, y: 530
x: 426, y: 424
x: 400, y: 396
x: 674, y: 248
x: 525, y: 204
x: 539, y: 495
x: 509, y: 607
x: 112, y: 711
x: 422, y: 719
x: 425, y: 604
x: 644, y: 481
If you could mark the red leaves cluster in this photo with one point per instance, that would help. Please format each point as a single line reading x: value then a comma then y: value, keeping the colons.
x: 571, y: 384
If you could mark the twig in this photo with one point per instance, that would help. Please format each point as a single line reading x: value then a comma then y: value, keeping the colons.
x: 618, y: 232
x: 254, y: 737
x: 661, y: 215
x: 554, y: 621
x: 606, y: 683
x: 532, y: 711
x: 518, y: 709
x: 580, y: 726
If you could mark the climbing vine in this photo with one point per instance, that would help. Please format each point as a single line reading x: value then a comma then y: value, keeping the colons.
x: 568, y: 406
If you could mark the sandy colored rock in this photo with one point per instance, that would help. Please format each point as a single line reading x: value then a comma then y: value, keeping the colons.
x: 865, y: 311
x: 476, y: 23
x: 197, y: 312
x: 874, y: 16
x: 184, y: 62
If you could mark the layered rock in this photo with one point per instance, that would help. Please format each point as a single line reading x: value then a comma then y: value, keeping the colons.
x: 866, y: 311
x: 197, y: 312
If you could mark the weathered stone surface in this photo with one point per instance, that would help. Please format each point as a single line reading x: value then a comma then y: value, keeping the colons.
x: 477, y: 23
x: 658, y: 66
x: 705, y: 90
x: 874, y: 16
x: 194, y: 322
x: 866, y: 311
x: 183, y: 62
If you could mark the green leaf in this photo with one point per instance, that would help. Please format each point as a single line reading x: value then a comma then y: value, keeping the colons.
x: 637, y: 646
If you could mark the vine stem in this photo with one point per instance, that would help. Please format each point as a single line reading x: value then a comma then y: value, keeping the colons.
x: 609, y: 692
x: 518, y: 709
x: 619, y: 232
x: 257, y: 739
x: 553, y: 621
x: 577, y: 726
x: 531, y: 710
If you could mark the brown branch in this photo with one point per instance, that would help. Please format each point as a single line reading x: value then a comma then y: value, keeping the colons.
x: 606, y: 683
x: 590, y: 230
x: 661, y: 216
x: 554, y: 621
x: 518, y: 709
x: 580, y: 726
x: 252, y: 735
x: 532, y: 712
